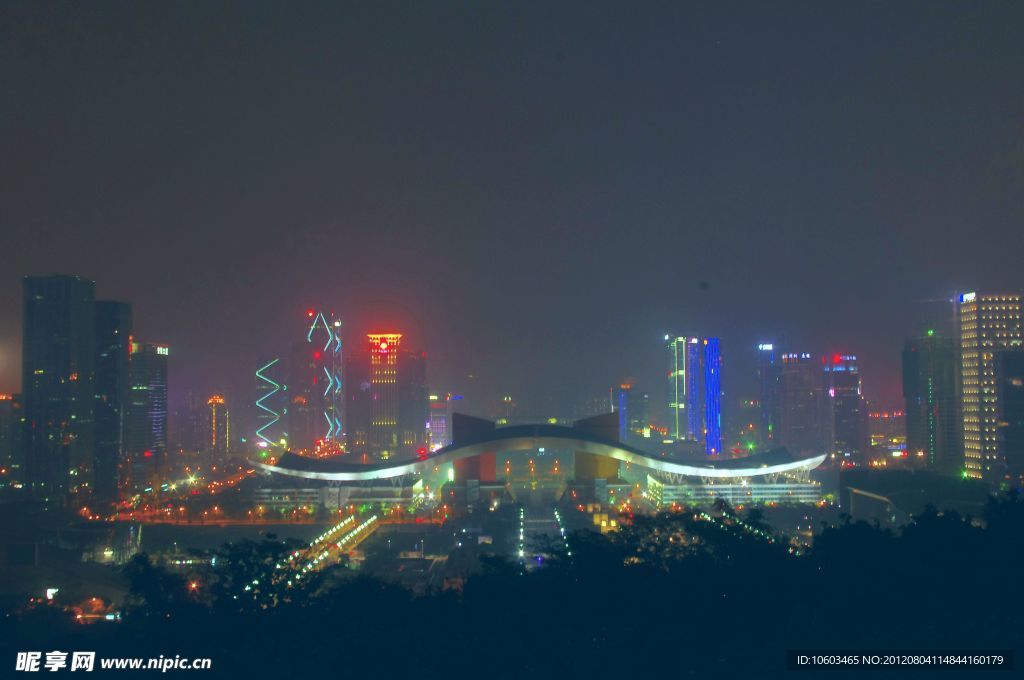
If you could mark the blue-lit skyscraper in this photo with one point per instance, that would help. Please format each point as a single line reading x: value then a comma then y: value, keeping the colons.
x: 695, y: 391
x: 712, y: 397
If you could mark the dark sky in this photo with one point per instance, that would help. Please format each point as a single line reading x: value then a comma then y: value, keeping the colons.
x: 533, y: 192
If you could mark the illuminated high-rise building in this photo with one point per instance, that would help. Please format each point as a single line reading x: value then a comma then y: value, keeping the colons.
x: 929, y: 389
x: 383, y: 432
x: 846, y: 416
x: 685, y: 412
x: 387, y: 403
x: 712, y: 389
x: 802, y: 406
x: 695, y: 391
x: 769, y: 376
x: 315, y: 387
x: 58, y: 370
x: 146, y: 431
x: 989, y: 323
x: 440, y: 423
x: 113, y: 388
x: 271, y: 404
x: 631, y: 406
x: 218, y: 429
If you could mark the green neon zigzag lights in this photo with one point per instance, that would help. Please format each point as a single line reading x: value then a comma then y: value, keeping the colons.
x: 259, y: 402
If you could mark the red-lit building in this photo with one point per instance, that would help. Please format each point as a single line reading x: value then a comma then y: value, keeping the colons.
x: 387, y: 404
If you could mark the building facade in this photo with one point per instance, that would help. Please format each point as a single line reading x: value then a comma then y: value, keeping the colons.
x: 387, y: 404
x: 929, y: 390
x: 146, y: 433
x: 695, y: 391
x: 989, y: 323
x: 58, y: 373
x: 1010, y: 397
x: 768, y: 378
x: 802, y: 406
x: 846, y: 414
x: 113, y: 387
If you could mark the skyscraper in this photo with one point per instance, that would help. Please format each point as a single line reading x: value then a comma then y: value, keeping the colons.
x: 631, y: 406
x: 113, y: 345
x: 146, y: 434
x: 802, y: 408
x: 712, y: 390
x: 58, y: 369
x: 989, y: 323
x: 314, y: 385
x: 929, y: 388
x: 768, y: 377
x: 440, y: 426
x: 271, y: 404
x: 1010, y: 397
x: 11, y: 427
x: 694, y: 399
x: 218, y: 429
x: 383, y: 430
x: 846, y: 416
x: 387, y: 403
x: 413, y: 402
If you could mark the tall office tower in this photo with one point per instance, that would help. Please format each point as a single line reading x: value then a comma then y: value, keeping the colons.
x: 989, y: 323
x: 631, y: 407
x: 413, y: 402
x: 383, y: 430
x: 58, y: 367
x: 271, y: 404
x: 387, y: 404
x: 712, y: 390
x: 802, y: 422
x: 1010, y: 397
x: 315, y: 388
x: 10, y: 439
x: 113, y: 383
x: 440, y: 424
x: 685, y: 400
x: 769, y: 375
x: 929, y: 388
x: 146, y: 432
x: 188, y: 424
x: 847, y: 415
x: 358, y: 400
x: 218, y: 429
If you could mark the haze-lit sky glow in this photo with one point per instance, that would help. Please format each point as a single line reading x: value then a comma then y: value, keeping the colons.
x: 532, y: 193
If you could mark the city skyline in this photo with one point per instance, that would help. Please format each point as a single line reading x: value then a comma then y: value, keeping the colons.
x: 379, y: 338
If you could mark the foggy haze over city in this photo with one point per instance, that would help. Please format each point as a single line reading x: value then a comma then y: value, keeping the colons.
x: 534, y: 195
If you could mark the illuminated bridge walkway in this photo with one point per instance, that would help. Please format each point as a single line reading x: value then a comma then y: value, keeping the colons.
x: 598, y: 453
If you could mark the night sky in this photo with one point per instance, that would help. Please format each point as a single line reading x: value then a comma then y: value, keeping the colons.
x: 534, y: 193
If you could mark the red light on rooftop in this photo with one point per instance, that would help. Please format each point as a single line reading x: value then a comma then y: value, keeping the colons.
x: 147, y: 454
x: 836, y: 358
x: 310, y: 313
x: 317, y: 355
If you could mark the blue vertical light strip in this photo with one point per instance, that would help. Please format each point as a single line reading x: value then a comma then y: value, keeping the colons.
x: 713, y: 397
